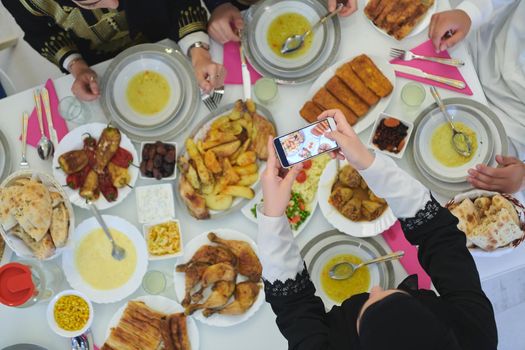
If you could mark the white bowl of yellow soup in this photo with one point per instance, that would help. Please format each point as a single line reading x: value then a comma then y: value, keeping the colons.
x: 70, y: 313
x: 90, y: 268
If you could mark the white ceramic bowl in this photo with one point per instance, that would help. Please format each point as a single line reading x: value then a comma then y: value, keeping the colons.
x: 145, y: 230
x: 51, y: 315
x: 173, y: 176
x: 407, y: 138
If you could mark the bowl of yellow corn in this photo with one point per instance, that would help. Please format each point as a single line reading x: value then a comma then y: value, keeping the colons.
x: 70, y: 313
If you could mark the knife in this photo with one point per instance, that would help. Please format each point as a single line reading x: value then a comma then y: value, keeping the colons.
x: 47, y: 107
x: 246, y: 79
x: 419, y: 73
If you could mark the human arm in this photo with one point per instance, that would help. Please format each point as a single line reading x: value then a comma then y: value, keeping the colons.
x: 508, y: 177
x: 225, y: 23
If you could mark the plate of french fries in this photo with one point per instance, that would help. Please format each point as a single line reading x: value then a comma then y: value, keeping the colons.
x: 221, y: 160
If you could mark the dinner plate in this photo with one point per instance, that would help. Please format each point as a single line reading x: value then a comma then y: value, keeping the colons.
x: 199, y: 132
x: 421, y: 26
x: 386, y: 68
x: 434, y: 120
x: 5, y: 157
x: 247, y: 211
x: 106, y: 296
x: 325, y: 45
x: 175, y: 64
x: 138, y: 66
x: 163, y: 305
x: 318, y: 251
x: 16, y: 244
x: 216, y: 320
x: 497, y: 132
x: 74, y: 141
x: 340, y: 222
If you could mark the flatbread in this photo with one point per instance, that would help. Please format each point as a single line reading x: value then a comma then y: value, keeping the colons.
x: 42, y: 249
x: 56, y: 198
x: 467, y: 215
x: 496, y: 231
x: 500, y: 202
x: 482, y: 204
x: 59, y: 225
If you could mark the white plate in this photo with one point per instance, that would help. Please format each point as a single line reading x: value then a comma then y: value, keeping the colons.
x: 163, y: 305
x: 16, y: 244
x: 74, y: 141
x: 429, y: 162
x: 478, y: 252
x: 340, y: 222
x: 369, y: 118
x: 247, y: 212
x: 319, y: 250
x: 145, y: 229
x: 421, y: 26
x: 136, y: 67
x: 216, y: 320
x: 114, y: 295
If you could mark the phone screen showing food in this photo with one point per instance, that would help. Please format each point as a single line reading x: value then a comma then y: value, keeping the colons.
x: 305, y: 143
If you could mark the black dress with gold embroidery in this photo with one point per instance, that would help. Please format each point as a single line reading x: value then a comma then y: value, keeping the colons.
x: 59, y: 28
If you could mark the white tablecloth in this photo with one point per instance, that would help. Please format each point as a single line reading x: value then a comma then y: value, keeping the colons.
x: 260, y: 332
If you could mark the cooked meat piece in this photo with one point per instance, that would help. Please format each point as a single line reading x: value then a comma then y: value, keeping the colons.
x: 194, y: 201
x: 193, y: 273
x: 262, y: 128
x: 340, y: 196
x: 339, y: 89
x: 221, y: 293
x: 347, y: 75
x: 349, y: 177
x: 310, y: 111
x: 214, y: 273
x: 373, y: 78
x: 245, y: 295
x: 352, y: 209
x: 326, y: 100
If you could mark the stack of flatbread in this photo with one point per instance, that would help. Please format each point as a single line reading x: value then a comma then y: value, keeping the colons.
x: 488, y: 222
x: 141, y: 328
x: 36, y: 214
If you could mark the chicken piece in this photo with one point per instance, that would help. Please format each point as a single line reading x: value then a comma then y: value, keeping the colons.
x: 262, y: 128
x: 215, y: 273
x: 352, y: 209
x: 248, y: 262
x: 245, y: 295
x: 194, y: 201
x: 373, y: 210
x: 340, y: 196
x: 211, y: 255
x: 192, y: 278
x: 221, y: 293
x: 349, y: 177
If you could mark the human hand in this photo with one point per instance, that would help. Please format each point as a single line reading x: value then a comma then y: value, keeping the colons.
x: 85, y: 87
x: 276, y: 190
x: 349, y: 144
x: 348, y: 8
x: 210, y: 75
x: 225, y: 22
x: 509, y: 178
x: 456, y: 22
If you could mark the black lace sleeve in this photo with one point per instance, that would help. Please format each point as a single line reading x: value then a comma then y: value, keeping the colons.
x: 444, y: 256
x: 288, y: 287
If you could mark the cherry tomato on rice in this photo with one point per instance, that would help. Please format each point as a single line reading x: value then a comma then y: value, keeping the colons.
x: 307, y: 164
x: 301, y: 177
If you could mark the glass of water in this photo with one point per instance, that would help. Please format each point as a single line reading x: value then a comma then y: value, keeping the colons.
x: 73, y: 110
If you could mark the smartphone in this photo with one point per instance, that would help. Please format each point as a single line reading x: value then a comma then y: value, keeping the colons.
x: 308, y: 142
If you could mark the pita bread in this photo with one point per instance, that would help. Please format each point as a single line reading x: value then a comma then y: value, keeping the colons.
x: 59, y: 225
x: 496, y: 231
x: 56, y: 198
x: 500, y: 202
x: 482, y: 204
x: 467, y: 215
x: 42, y: 249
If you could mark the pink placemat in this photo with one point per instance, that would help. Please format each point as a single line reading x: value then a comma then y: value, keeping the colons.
x: 395, y: 238
x: 232, y: 63
x: 427, y: 49
x: 33, y: 130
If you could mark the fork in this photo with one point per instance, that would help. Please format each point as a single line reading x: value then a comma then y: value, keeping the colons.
x: 208, y: 100
x: 217, y: 95
x: 407, y: 55
x: 23, y: 163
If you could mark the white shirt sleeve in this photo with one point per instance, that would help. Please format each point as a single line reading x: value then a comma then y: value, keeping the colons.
x: 279, y: 253
x: 192, y: 38
x: 404, y: 194
x: 69, y: 59
x: 479, y: 11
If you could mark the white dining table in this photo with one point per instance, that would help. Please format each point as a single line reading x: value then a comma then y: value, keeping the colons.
x: 29, y: 325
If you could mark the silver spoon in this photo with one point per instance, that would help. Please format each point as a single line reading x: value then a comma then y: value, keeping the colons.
x: 345, y: 270
x: 83, y: 341
x: 295, y: 42
x: 460, y: 140
x: 117, y: 252
x: 45, y: 146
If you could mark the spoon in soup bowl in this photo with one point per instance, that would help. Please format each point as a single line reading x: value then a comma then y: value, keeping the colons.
x: 344, y: 270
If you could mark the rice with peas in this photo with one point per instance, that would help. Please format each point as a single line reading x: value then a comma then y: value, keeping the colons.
x: 71, y: 313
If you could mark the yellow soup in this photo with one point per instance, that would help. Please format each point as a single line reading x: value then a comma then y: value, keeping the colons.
x: 443, y: 148
x: 148, y: 92
x: 286, y: 25
x: 97, y: 267
x: 341, y: 290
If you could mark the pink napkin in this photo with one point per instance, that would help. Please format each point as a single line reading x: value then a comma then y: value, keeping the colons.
x: 33, y: 130
x: 427, y: 49
x: 395, y: 238
x: 232, y: 63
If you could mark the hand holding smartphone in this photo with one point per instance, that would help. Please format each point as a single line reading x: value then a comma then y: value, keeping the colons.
x: 305, y: 143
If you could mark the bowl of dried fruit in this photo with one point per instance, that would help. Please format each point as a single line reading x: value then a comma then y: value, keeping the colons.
x: 390, y: 135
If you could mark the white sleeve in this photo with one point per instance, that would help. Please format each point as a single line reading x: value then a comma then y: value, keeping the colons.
x: 280, y: 256
x: 404, y: 194
x: 479, y: 11
x: 192, y: 38
x: 70, y: 58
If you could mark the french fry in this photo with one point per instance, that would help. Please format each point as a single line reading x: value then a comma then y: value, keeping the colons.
x: 211, y: 162
x: 221, y: 183
x: 246, y: 158
x: 221, y: 120
x: 246, y: 170
x: 193, y: 178
x: 250, y: 105
x: 248, y: 180
x: 231, y: 128
x: 239, y: 191
x: 204, y: 175
x: 229, y: 173
x: 226, y: 149
x: 218, y: 201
